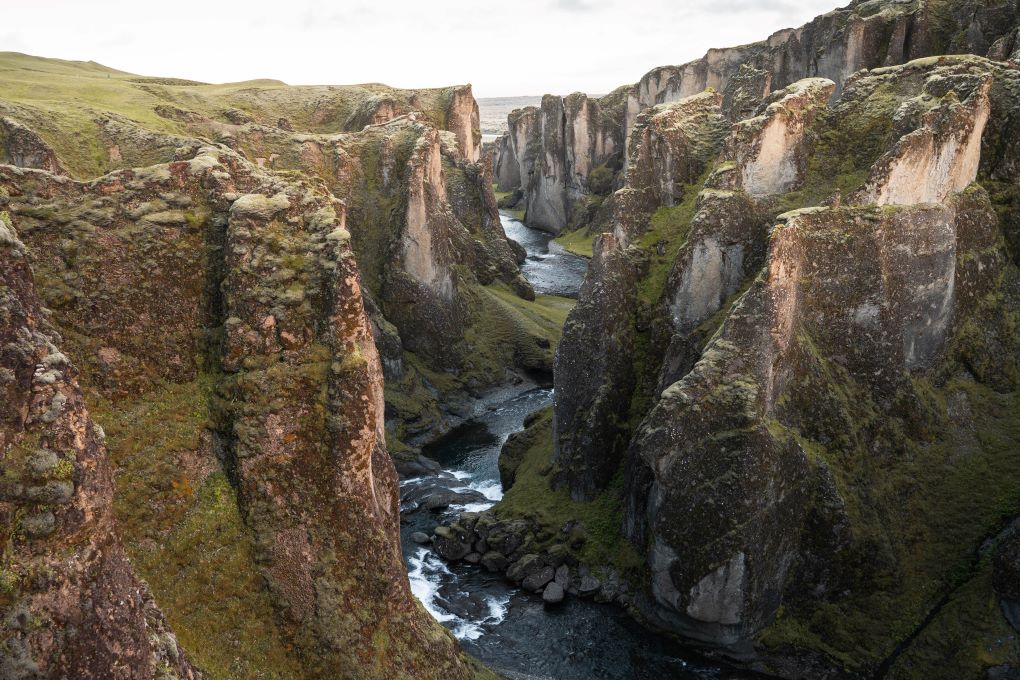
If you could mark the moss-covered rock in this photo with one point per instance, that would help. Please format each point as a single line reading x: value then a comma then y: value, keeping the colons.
x: 71, y: 604
x: 823, y: 402
x: 241, y: 336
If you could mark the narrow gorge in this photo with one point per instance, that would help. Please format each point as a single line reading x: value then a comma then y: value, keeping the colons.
x: 716, y: 375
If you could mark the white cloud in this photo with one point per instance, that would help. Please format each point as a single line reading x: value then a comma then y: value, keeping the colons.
x: 502, y: 48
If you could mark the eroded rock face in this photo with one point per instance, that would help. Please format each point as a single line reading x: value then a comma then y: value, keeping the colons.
x: 726, y: 243
x: 593, y: 375
x: 551, y: 152
x: 771, y: 150
x: 798, y: 338
x: 298, y: 411
x: 462, y: 119
x: 863, y: 35
x: 939, y: 158
x: 22, y: 147
x: 833, y: 46
x: 673, y: 145
x: 70, y: 602
x: 898, y: 313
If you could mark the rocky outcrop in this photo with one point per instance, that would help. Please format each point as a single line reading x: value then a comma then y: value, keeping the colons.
x: 272, y: 314
x: 798, y: 338
x: 939, y: 158
x: 738, y: 385
x: 673, y: 145
x: 462, y: 120
x: 863, y: 35
x: 22, y: 147
x: 522, y: 553
x: 70, y: 602
x: 770, y: 151
x: 424, y: 224
x: 551, y: 152
x: 593, y: 376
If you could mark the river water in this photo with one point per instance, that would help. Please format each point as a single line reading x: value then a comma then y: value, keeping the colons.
x: 508, y: 629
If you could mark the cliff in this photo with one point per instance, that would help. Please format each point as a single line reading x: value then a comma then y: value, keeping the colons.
x: 72, y: 605
x: 208, y: 277
x: 820, y: 423
x: 425, y: 228
x: 224, y: 306
x: 863, y: 35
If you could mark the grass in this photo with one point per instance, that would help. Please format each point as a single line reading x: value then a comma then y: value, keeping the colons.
x: 669, y: 226
x: 578, y: 242
x: 545, y: 316
x: 917, y: 518
x: 517, y: 213
x: 966, y: 637
x: 60, y: 100
x: 179, y: 520
x: 600, y: 521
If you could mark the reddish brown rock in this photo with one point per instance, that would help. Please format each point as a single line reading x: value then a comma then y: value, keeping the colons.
x: 70, y: 603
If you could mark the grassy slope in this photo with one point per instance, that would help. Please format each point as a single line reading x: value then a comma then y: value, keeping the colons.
x: 579, y: 242
x: 62, y: 99
x: 179, y: 520
x: 599, y: 530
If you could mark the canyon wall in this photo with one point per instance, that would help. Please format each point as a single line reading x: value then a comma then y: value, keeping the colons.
x: 863, y: 35
x: 232, y: 321
x: 72, y: 605
x: 821, y: 332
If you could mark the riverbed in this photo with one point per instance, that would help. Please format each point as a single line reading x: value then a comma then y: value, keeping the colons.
x: 510, y: 630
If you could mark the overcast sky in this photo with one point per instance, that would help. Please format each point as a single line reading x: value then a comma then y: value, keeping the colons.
x: 508, y: 47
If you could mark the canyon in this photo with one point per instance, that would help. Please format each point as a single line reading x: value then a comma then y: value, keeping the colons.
x: 715, y: 375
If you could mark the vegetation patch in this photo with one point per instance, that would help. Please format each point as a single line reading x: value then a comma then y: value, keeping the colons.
x: 179, y: 520
x: 578, y: 242
x: 596, y: 525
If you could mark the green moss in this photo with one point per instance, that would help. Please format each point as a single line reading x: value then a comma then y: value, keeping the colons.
x: 667, y: 232
x: 918, y: 515
x: 967, y: 636
x: 64, y: 469
x: 179, y: 520
x: 600, y: 521
x: 579, y: 242
x: 547, y: 313
x: 600, y: 180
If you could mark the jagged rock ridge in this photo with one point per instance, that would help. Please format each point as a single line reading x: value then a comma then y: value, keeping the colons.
x: 863, y: 35
x: 786, y: 356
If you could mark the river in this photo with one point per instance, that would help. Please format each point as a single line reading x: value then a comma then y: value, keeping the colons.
x: 510, y: 630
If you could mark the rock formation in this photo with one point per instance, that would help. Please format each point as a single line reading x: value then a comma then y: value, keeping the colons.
x: 810, y: 371
x: 225, y: 297
x: 674, y: 144
x: 863, y: 35
x: 593, y: 383
x: 420, y: 206
x: 22, y: 147
x: 71, y: 605
x: 556, y: 153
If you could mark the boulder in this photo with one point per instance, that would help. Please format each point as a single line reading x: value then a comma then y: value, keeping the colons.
x: 553, y: 593
x: 494, y: 561
x: 448, y: 544
x: 537, y: 579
